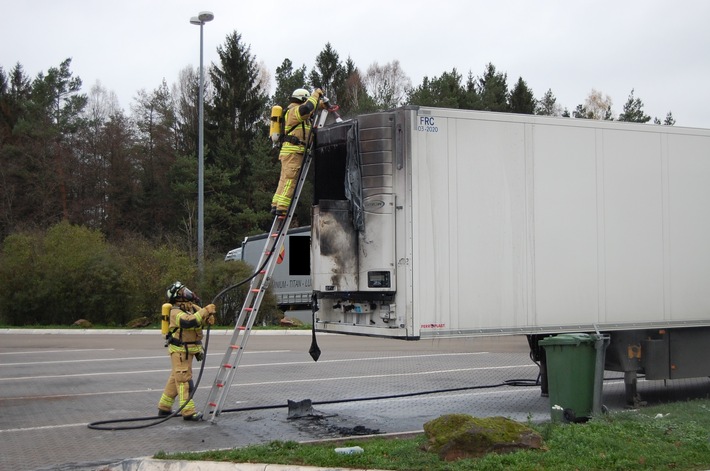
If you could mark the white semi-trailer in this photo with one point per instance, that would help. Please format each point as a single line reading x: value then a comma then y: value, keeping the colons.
x: 434, y: 222
x: 291, y: 279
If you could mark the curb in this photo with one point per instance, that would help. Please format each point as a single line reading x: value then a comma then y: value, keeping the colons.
x: 149, y: 464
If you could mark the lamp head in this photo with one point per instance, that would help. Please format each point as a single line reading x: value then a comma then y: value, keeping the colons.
x: 205, y: 16
x: 202, y: 18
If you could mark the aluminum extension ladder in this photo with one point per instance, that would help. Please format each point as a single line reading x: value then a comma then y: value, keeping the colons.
x: 257, y: 289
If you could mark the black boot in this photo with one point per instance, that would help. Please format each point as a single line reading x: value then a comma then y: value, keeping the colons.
x: 196, y: 417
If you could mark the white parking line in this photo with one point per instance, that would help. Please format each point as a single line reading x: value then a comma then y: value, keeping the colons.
x: 44, y: 352
x: 89, y: 360
x: 260, y: 365
x: 261, y: 383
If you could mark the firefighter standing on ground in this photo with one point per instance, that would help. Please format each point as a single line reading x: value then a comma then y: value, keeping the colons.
x: 184, y: 341
x: 297, y: 128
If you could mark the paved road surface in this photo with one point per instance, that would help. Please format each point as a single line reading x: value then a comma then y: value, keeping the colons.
x: 53, y: 384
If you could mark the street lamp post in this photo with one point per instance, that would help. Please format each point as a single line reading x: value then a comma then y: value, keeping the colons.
x: 202, y: 18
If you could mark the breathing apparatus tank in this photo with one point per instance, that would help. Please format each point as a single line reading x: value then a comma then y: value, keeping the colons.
x: 275, y: 129
x: 165, y: 318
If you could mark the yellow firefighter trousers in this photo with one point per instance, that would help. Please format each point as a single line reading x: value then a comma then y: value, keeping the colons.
x: 290, y: 167
x: 179, y: 384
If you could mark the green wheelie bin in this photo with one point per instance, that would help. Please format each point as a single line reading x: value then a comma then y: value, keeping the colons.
x: 572, y: 360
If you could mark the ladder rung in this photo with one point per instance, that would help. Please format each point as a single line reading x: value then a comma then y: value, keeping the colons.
x: 228, y: 365
x: 255, y: 290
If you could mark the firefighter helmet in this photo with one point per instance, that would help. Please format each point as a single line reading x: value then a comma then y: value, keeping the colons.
x: 179, y: 291
x: 300, y: 95
x: 174, y: 290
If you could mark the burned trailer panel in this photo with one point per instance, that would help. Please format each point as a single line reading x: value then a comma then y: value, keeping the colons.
x: 335, y: 268
x: 354, y: 268
x: 334, y: 253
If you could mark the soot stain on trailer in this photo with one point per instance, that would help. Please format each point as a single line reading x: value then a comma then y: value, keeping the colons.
x: 338, y: 242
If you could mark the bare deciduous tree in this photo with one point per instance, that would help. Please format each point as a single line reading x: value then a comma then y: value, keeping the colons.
x: 387, y: 84
x: 598, y: 105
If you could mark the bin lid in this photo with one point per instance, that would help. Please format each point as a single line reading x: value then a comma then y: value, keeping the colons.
x: 567, y: 339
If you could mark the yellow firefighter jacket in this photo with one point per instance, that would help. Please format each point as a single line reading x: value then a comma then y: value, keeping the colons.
x: 297, y: 124
x: 186, y: 323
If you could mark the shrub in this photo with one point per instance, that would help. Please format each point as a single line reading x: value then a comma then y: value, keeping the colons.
x: 221, y: 279
x: 71, y: 272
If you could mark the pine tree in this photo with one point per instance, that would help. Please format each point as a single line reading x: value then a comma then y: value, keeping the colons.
x: 548, y: 106
x: 237, y: 124
x: 522, y: 99
x: 288, y: 79
x: 329, y: 74
x: 493, y: 89
x: 445, y: 91
x: 633, y: 110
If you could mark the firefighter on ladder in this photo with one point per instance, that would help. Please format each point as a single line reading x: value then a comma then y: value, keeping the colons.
x: 184, y: 341
x: 297, y: 128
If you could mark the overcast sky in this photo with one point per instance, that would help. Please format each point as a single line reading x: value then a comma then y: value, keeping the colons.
x: 659, y: 48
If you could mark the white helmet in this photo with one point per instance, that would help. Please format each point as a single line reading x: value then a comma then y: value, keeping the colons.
x: 179, y: 291
x: 300, y: 95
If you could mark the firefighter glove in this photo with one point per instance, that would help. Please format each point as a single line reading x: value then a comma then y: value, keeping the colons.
x: 199, y: 356
x: 211, y: 309
x: 317, y: 93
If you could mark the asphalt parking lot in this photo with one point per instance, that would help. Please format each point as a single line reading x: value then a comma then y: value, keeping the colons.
x: 52, y: 385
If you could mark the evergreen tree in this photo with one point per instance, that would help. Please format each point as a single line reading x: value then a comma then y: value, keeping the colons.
x: 548, y: 106
x: 329, y: 74
x: 581, y: 112
x: 238, y: 129
x: 633, y: 110
x: 471, y: 98
x: 288, y: 79
x: 54, y: 117
x: 445, y: 91
x: 122, y: 189
x: 239, y: 102
x: 670, y: 120
x: 15, y: 90
x: 156, y: 145
x: 493, y: 89
x: 186, y: 94
x: 522, y: 99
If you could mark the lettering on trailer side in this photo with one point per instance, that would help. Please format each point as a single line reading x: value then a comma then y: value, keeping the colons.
x: 304, y: 283
x: 427, y: 124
